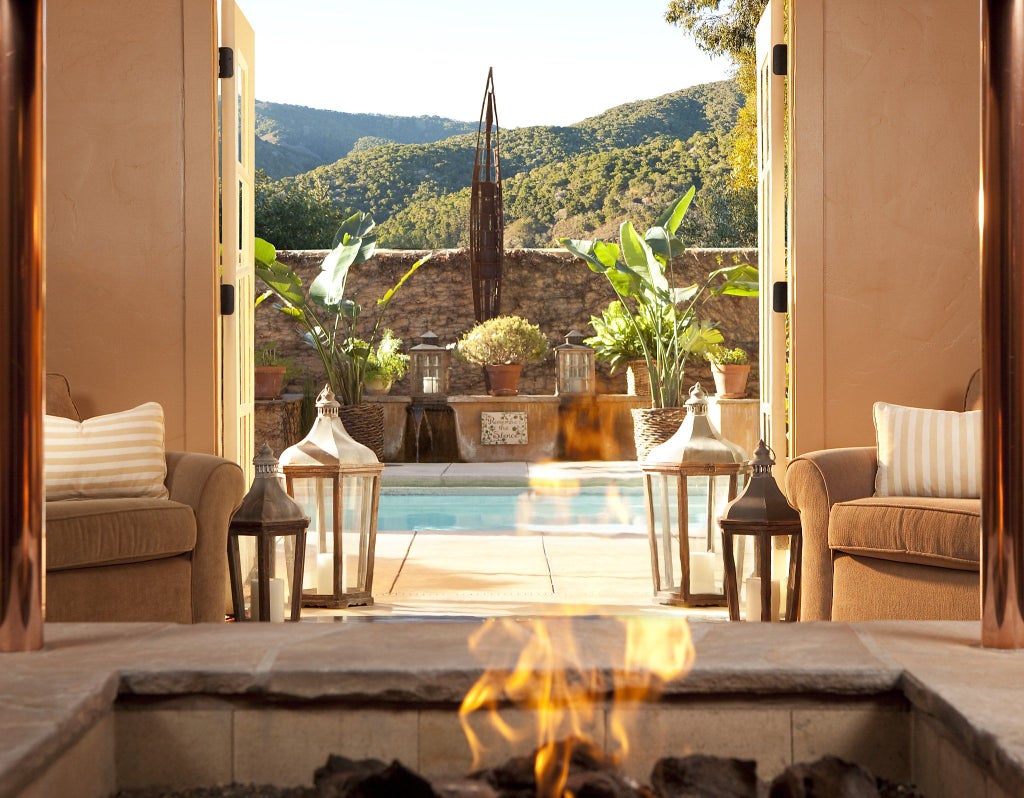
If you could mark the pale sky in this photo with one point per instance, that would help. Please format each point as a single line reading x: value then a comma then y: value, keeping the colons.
x: 555, y: 61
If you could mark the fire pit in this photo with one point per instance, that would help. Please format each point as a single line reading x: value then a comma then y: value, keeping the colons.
x: 108, y: 707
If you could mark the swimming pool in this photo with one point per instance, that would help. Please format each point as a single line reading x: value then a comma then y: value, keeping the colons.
x: 610, y: 510
x: 598, y: 510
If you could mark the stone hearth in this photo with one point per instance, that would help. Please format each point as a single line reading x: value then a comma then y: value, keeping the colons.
x: 118, y: 706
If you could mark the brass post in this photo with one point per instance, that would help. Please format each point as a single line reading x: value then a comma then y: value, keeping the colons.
x: 1002, y: 288
x: 21, y: 317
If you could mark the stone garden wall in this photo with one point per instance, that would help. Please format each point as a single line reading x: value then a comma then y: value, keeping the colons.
x: 549, y: 287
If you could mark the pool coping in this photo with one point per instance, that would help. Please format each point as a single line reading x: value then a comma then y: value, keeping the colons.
x: 591, y: 473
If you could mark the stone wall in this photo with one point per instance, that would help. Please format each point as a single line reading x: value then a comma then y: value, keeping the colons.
x: 549, y: 287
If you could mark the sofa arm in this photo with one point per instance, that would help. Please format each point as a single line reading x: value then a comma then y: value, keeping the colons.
x: 814, y: 482
x: 213, y: 487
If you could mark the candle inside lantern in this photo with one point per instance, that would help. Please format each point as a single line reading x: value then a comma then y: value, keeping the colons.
x: 702, y: 572
x: 325, y: 573
x: 276, y: 600
x: 754, y: 599
x: 310, y: 577
x: 430, y: 385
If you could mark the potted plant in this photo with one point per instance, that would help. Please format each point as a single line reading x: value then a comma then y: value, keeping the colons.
x: 640, y: 272
x: 329, y: 320
x: 502, y: 345
x: 730, y: 369
x: 269, y: 372
x: 617, y: 342
x: 386, y: 364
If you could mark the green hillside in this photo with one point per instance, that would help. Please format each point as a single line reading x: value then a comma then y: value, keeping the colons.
x: 292, y: 139
x: 580, y: 180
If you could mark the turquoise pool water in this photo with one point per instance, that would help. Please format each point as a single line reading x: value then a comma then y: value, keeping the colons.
x: 608, y: 510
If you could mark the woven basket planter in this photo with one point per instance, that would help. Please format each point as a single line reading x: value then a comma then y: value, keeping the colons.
x: 365, y: 423
x: 653, y: 426
x: 638, y: 378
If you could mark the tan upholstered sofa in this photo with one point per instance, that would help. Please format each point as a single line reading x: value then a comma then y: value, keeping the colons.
x: 142, y: 559
x: 866, y: 557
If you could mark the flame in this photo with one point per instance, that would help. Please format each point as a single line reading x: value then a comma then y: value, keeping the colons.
x: 563, y: 696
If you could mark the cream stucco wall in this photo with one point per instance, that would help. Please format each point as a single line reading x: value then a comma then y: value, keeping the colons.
x: 884, y: 184
x: 131, y: 273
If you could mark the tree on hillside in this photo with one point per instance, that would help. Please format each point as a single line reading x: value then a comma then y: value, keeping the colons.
x: 729, y: 31
x: 296, y: 215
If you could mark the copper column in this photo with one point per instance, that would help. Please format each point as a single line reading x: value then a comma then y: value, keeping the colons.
x: 21, y: 318
x: 1002, y: 289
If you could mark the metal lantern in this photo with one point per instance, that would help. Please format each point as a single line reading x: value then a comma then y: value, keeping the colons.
x: 763, y: 512
x: 267, y: 513
x: 337, y: 482
x: 575, y: 373
x: 429, y: 366
x: 688, y: 480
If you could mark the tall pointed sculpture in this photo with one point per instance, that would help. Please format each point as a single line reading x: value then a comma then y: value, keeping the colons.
x: 486, y: 217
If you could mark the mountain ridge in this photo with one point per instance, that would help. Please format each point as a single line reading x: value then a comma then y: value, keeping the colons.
x: 579, y: 180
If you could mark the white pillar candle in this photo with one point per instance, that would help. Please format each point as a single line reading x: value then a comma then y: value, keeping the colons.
x: 325, y: 573
x: 430, y: 385
x: 780, y: 567
x: 753, y: 602
x: 702, y: 572
x: 276, y: 600
x: 310, y: 577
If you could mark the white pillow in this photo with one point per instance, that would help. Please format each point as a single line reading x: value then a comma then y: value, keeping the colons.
x: 927, y: 452
x: 114, y: 456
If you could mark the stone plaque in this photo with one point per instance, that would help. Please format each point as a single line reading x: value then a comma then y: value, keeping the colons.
x: 503, y: 428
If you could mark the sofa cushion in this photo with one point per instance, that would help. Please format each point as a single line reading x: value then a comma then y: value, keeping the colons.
x: 942, y: 532
x: 91, y: 532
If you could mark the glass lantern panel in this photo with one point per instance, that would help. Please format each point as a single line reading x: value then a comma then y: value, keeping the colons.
x: 432, y: 373
x: 706, y: 498
x: 665, y: 504
x: 316, y: 497
x: 575, y: 372
x: 356, y: 514
x: 750, y: 604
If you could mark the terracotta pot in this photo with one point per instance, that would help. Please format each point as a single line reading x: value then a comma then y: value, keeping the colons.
x: 267, y: 381
x: 377, y: 386
x: 730, y: 380
x: 504, y: 379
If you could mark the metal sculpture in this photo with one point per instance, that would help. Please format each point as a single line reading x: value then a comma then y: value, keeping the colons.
x: 486, y: 216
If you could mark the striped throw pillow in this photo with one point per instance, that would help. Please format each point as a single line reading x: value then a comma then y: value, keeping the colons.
x: 927, y: 452
x: 113, y: 456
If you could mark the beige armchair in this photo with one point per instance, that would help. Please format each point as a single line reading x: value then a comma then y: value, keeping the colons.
x: 142, y: 559
x: 867, y: 557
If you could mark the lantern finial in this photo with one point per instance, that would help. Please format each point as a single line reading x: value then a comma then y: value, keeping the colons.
x: 698, y: 401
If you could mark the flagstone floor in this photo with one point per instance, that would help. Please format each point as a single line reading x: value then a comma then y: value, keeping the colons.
x: 481, y: 573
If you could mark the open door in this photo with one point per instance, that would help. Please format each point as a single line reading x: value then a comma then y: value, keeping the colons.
x: 771, y: 230
x: 238, y: 139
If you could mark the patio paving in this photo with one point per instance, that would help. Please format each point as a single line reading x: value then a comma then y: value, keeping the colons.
x: 486, y: 573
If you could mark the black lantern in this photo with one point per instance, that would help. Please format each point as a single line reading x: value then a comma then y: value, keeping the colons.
x: 266, y: 513
x: 575, y: 374
x: 429, y: 366
x: 687, y: 482
x: 336, y: 480
x: 762, y: 512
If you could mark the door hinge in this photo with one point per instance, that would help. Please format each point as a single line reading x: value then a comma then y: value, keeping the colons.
x: 225, y: 62
x: 780, y: 59
x: 227, y: 299
x: 780, y: 296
